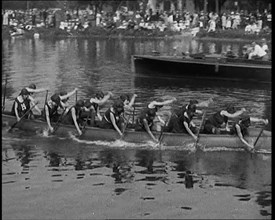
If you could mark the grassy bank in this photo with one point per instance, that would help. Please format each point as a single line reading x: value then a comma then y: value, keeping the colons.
x: 131, y: 33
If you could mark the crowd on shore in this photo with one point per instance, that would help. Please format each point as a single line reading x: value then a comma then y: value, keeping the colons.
x: 73, y: 21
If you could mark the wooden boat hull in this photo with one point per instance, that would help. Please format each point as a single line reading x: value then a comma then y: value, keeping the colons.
x: 169, y: 139
x: 218, y: 68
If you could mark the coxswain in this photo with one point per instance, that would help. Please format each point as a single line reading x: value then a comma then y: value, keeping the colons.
x: 22, y: 105
x: 218, y: 122
x: 240, y: 128
x: 73, y: 116
x: 145, y: 120
x: 112, y: 118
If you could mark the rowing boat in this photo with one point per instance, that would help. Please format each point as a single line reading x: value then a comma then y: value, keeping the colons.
x: 169, y: 139
x: 212, y: 66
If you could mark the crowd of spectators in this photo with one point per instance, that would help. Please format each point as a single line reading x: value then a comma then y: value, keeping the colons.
x: 123, y: 19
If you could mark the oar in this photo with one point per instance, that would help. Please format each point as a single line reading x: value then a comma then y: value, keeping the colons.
x: 203, y: 117
x: 75, y: 96
x: 22, y: 117
x: 46, y: 97
x: 258, y: 137
x: 124, y: 129
x: 4, y: 98
x: 85, y: 123
x: 161, y: 132
x: 58, y: 122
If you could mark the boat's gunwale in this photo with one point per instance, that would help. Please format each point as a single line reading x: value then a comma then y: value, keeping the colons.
x: 202, y: 61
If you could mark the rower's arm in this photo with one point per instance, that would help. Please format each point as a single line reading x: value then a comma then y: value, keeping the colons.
x: 75, y: 122
x: 16, y: 111
x: 105, y: 98
x: 205, y: 103
x: 98, y: 113
x: 68, y: 94
x: 160, y: 119
x: 32, y: 102
x: 166, y: 102
x: 240, y: 135
x: 236, y: 114
x: 264, y: 121
x: 37, y: 90
x: 189, y: 130
x: 132, y: 100
x: 48, y: 118
x: 112, y: 117
x: 145, y: 123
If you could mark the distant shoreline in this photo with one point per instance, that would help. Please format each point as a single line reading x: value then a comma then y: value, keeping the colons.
x: 95, y: 32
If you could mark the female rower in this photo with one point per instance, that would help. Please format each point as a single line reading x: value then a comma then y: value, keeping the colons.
x: 145, y: 120
x: 128, y: 107
x: 73, y: 115
x: 112, y: 118
x: 92, y: 107
x: 218, y: 122
x: 22, y: 105
x: 54, y: 105
x: 240, y: 128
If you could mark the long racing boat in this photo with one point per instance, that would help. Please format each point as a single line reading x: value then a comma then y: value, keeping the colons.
x: 210, y: 67
x: 168, y: 139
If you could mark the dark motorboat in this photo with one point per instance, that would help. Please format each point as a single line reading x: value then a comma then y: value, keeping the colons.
x: 210, y: 66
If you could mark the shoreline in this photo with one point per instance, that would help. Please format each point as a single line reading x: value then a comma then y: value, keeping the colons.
x: 45, y: 33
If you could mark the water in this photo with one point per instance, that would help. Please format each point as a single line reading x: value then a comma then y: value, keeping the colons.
x: 49, y: 177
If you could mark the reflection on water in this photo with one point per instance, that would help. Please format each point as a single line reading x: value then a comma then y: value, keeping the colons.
x: 57, y: 174
x: 121, y: 170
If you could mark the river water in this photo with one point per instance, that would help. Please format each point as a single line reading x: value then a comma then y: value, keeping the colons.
x: 53, y: 178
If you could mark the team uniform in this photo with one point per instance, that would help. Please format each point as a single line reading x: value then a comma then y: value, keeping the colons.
x: 23, y: 104
x: 149, y: 114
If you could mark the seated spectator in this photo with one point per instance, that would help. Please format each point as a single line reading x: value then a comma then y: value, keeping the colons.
x: 258, y: 52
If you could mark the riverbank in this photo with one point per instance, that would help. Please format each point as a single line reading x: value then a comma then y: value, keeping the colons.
x: 220, y: 35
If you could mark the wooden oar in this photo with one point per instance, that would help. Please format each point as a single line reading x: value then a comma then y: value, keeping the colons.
x: 85, y: 123
x: 22, y: 117
x: 203, y: 117
x: 4, y: 98
x: 46, y: 97
x: 258, y: 137
x: 58, y: 122
x: 124, y: 129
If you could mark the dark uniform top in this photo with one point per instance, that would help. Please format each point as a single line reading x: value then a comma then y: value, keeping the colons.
x: 22, y: 107
x: 176, y: 123
x: 149, y: 114
x: 214, y: 121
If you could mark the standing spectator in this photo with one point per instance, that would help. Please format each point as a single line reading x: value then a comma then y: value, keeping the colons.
x: 223, y: 21
x: 269, y: 19
x: 6, y: 18
x: 33, y: 18
x: 44, y: 16
x: 229, y: 21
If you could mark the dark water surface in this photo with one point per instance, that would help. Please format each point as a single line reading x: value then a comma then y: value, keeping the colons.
x: 53, y: 178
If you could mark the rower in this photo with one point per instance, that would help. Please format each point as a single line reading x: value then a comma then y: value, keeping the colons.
x: 92, y: 107
x: 50, y: 111
x: 185, y: 114
x: 181, y: 120
x: 218, y: 122
x: 241, y: 129
x: 21, y: 105
x: 73, y: 116
x: 32, y: 89
x: 128, y: 105
x: 112, y: 118
x: 145, y: 120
